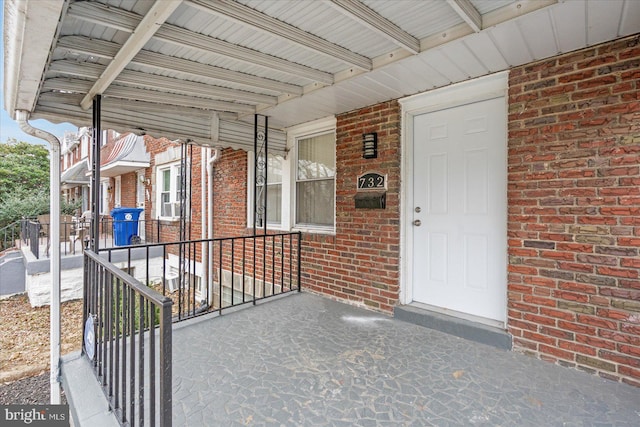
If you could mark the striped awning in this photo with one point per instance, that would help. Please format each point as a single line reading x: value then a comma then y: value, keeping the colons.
x: 76, y: 175
x: 127, y: 154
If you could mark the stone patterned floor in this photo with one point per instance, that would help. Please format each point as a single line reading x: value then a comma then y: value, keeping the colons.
x: 304, y: 360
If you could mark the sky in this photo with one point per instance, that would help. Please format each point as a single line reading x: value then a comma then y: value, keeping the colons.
x: 8, y: 127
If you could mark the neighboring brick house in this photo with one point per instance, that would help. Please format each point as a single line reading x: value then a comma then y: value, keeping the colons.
x: 74, y: 164
x: 571, y: 227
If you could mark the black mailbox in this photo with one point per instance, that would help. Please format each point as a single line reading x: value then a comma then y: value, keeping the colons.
x: 371, y: 200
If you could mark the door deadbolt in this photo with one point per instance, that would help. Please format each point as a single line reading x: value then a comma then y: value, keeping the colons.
x: 417, y: 223
x: 418, y: 209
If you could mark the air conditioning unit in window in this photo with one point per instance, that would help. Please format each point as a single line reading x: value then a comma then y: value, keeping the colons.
x: 172, y: 281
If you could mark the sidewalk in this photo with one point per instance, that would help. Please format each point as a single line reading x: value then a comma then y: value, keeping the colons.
x: 12, y: 273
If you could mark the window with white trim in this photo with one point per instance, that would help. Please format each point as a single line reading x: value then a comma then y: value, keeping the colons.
x: 168, y: 181
x: 301, y: 185
x: 315, y: 180
x: 104, y: 196
x: 118, y: 192
x: 273, y: 191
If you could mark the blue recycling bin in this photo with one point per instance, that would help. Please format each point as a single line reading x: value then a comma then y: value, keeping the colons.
x: 125, y: 224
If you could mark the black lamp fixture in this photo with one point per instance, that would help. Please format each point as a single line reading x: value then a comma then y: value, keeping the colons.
x: 370, y: 145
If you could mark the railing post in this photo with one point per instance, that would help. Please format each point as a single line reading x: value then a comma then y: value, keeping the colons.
x: 299, y: 261
x: 166, y: 394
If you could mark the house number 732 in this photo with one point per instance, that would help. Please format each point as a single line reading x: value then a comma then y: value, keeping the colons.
x: 371, y: 180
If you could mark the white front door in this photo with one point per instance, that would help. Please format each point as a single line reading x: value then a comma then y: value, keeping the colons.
x: 460, y: 209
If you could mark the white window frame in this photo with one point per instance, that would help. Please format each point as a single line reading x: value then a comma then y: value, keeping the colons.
x: 174, y: 169
x: 271, y: 224
x: 104, y: 196
x: 140, y: 189
x: 117, y: 201
x: 289, y: 171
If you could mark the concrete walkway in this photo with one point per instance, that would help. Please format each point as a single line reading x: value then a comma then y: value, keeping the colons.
x: 304, y: 360
x: 12, y: 273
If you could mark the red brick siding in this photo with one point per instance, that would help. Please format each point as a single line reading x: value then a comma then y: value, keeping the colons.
x: 129, y: 184
x: 361, y: 262
x: 574, y: 209
x: 170, y: 229
x: 230, y: 194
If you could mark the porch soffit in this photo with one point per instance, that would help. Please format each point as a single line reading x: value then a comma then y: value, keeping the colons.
x: 190, y: 69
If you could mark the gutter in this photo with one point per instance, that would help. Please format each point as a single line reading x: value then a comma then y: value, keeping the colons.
x: 54, y: 199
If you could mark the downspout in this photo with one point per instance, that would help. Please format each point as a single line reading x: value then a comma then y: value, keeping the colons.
x: 213, y: 157
x: 54, y: 234
x: 204, y: 248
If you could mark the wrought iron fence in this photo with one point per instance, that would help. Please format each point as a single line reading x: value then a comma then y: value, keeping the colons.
x: 128, y: 340
x: 9, y: 235
x: 203, y: 276
x: 74, y: 234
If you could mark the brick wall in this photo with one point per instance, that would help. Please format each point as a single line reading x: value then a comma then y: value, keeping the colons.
x: 230, y: 194
x: 129, y: 184
x: 361, y: 262
x: 169, y: 229
x: 574, y: 209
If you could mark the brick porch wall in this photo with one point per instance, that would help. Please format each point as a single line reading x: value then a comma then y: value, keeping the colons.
x: 360, y: 263
x: 574, y: 209
x: 230, y: 194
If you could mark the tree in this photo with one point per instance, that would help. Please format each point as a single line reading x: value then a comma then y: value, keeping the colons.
x: 24, y: 181
x: 23, y: 166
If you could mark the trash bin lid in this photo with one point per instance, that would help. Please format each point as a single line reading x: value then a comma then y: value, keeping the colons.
x: 123, y: 211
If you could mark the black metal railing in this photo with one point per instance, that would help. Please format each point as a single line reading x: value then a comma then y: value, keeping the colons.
x: 131, y: 346
x: 10, y: 234
x: 32, y: 236
x: 235, y: 271
x: 74, y: 234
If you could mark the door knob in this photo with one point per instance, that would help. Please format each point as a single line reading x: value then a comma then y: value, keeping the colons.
x: 417, y: 223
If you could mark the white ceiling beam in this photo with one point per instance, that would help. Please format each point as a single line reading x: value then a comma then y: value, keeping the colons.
x: 105, y: 16
x: 372, y: 20
x: 106, y: 50
x: 468, y: 12
x: 79, y: 45
x: 175, y: 99
x: 162, y: 62
x: 250, y: 17
x: 514, y: 10
x: 125, y: 92
x: 161, y: 83
x: 171, y: 85
x: 185, y: 38
x: 184, y: 113
x: 157, y: 15
x: 122, y: 20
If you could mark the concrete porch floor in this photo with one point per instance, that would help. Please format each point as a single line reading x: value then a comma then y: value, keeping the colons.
x: 304, y: 360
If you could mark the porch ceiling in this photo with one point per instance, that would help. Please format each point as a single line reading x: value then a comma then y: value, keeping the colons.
x: 186, y: 69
